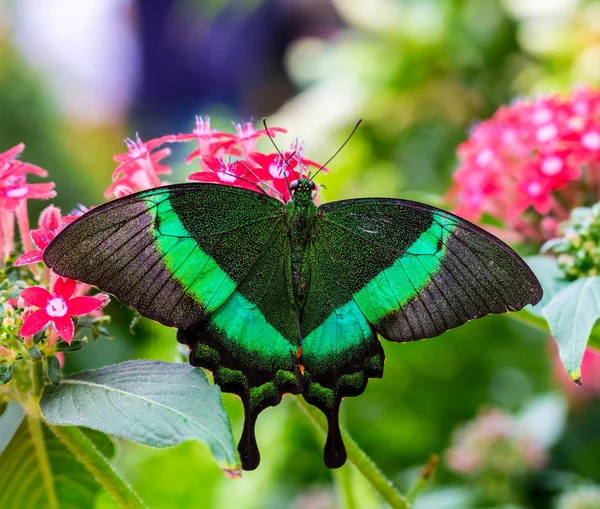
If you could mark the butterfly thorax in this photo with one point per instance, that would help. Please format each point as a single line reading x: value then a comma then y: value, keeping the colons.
x: 301, y: 212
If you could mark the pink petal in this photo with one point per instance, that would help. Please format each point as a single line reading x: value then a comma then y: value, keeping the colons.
x: 65, y: 328
x: 50, y: 218
x: 41, y: 191
x: 204, y: 176
x: 42, y: 237
x: 36, y: 296
x: 27, y: 258
x: 83, y: 305
x: 34, y: 322
x: 194, y: 154
x: 12, y: 152
x: 212, y: 163
x: 64, y: 287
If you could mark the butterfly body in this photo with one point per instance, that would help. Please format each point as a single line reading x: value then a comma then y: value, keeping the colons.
x: 278, y: 298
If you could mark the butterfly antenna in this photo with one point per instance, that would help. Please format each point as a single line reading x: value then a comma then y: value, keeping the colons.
x: 285, y: 161
x: 339, y: 149
x: 263, y: 183
x: 245, y: 180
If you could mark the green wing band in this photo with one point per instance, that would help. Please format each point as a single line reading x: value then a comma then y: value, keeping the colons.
x: 393, y: 287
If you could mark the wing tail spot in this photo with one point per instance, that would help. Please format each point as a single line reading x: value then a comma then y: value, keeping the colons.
x: 334, y: 454
x: 247, y: 446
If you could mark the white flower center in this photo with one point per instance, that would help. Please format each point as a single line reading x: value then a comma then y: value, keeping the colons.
x: 542, y: 116
x: 17, y: 192
x: 485, y: 157
x: 226, y: 177
x: 591, y: 140
x: 276, y: 170
x: 56, y: 307
x: 534, y: 189
x: 552, y: 165
x: 546, y: 133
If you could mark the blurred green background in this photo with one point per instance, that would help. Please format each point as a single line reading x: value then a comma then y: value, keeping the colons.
x: 78, y: 77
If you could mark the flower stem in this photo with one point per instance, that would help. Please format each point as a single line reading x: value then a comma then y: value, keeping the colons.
x: 360, y: 460
x: 37, y: 435
x: 95, y: 462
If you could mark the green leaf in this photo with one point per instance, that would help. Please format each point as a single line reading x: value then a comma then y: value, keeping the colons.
x: 53, y: 369
x: 34, y: 353
x: 43, y: 473
x: 571, y: 314
x: 551, y: 278
x: 6, y: 371
x: 154, y: 403
x: 10, y: 420
x: 73, y: 346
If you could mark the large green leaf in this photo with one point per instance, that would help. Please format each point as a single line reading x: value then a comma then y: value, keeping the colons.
x: 10, y: 420
x: 571, y: 315
x: 36, y: 470
x: 154, y: 403
x: 551, y: 278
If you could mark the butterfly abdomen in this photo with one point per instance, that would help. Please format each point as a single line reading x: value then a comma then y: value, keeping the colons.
x: 300, y: 229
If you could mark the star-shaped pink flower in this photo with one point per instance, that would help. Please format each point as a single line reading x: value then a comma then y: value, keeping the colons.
x: 57, y: 308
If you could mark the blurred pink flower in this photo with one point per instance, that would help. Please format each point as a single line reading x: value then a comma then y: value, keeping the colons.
x: 533, y: 160
x: 14, y: 192
x: 494, y: 442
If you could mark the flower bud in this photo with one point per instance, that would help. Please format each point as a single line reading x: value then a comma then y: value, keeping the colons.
x: 50, y: 218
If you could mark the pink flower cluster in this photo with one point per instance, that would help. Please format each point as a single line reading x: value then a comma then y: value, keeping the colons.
x: 14, y: 193
x: 494, y: 443
x: 67, y: 298
x: 531, y: 163
x: 223, y: 158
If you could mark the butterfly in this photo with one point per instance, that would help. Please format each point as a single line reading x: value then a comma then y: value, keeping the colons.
x: 278, y: 298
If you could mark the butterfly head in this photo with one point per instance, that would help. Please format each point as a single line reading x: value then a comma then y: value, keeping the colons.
x: 302, y: 188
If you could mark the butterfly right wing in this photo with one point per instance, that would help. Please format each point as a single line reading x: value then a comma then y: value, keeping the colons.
x: 401, y: 269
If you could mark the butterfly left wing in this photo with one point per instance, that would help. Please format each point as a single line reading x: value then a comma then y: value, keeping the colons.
x: 211, y: 260
x: 404, y: 270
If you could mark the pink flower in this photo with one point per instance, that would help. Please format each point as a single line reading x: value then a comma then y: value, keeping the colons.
x: 51, y: 222
x: 14, y: 192
x: 139, y: 168
x: 210, y: 142
x: 57, y: 308
x: 41, y: 238
x: 246, y: 135
x: 235, y: 173
x: 531, y: 161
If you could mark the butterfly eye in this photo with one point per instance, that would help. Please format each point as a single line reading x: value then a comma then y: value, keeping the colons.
x: 294, y: 185
x: 311, y: 185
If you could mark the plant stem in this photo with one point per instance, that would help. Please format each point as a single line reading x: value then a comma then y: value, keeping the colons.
x: 37, y: 435
x: 343, y: 483
x: 423, y: 479
x: 95, y: 462
x: 359, y: 459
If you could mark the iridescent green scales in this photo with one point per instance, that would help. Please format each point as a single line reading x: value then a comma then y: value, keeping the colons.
x: 291, y: 298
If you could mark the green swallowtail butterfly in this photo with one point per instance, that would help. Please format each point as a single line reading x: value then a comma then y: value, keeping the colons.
x: 276, y: 298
